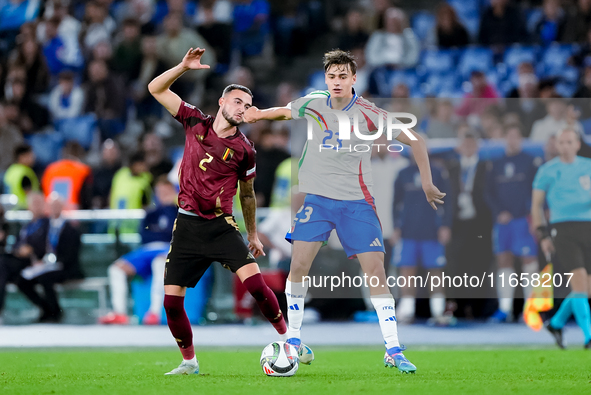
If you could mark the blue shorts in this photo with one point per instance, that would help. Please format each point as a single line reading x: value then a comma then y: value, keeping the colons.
x: 141, y: 258
x: 355, y: 221
x: 514, y: 237
x: 409, y: 252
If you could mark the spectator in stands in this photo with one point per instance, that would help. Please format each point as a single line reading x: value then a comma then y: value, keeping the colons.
x: 155, y: 154
x: 127, y: 57
x: 29, y: 247
x: 450, y: 31
x: 552, y: 26
x: 483, y: 95
x: 10, y: 139
x: 61, y: 51
x: 578, y: 22
x: 142, y: 10
x: 66, y: 100
x: 251, y: 26
x: 105, y: 97
x: 147, y: 261
x: 508, y: 188
x: 150, y: 67
x: 213, y: 20
x: 526, y: 103
x: 104, y: 173
x: 501, y: 24
x: 442, y: 124
x: 70, y: 178
x: 470, y: 249
x: 32, y: 116
x: 20, y: 179
x: 271, y: 151
x: 69, y: 27
x: 420, y: 236
x: 30, y: 56
x: 584, y: 90
x: 60, y: 262
x: 560, y: 115
x: 172, y: 46
x: 242, y: 75
x: 396, y: 45
x: 354, y: 34
x: 98, y: 26
x: 130, y: 188
x: 376, y: 16
x: 13, y: 14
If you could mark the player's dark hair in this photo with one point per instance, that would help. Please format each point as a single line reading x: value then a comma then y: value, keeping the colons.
x: 163, y: 180
x: 339, y: 57
x: 22, y: 149
x: 137, y: 157
x: 233, y: 87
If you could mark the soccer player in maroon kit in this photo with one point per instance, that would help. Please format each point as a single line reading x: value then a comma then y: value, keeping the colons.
x: 217, y: 158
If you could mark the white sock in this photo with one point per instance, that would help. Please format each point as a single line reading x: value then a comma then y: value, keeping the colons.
x: 529, y: 268
x: 505, y: 293
x: 384, y: 305
x: 437, y: 304
x: 193, y: 360
x: 119, y: 291
x: 157, y: 289
x: 406, y: 307
x: 295, y: 294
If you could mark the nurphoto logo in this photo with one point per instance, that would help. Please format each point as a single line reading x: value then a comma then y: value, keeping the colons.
x: 334, y: 140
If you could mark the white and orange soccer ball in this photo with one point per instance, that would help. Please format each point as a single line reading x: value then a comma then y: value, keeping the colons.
x: 280, y: 359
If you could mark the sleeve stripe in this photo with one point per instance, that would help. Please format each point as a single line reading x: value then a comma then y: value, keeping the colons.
x: 373, y: 108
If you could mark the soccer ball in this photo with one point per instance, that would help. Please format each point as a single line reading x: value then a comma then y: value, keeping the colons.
x: 280, y: 359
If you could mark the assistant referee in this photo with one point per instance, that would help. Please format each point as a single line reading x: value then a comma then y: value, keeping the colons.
x: 565, y: 184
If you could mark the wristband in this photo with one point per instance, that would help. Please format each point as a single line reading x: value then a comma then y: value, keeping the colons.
x: 542, y: 232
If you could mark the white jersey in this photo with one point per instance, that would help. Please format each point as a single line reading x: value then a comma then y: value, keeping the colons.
x: 343, y: 173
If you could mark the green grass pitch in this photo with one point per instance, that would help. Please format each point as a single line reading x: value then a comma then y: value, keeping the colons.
x: 335, y: 371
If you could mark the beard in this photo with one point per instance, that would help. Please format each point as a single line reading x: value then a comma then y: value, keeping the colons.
x: 230, y: 120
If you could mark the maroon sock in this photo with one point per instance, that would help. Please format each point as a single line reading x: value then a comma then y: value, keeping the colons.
x: 267, y: 301
x: 179, y: 324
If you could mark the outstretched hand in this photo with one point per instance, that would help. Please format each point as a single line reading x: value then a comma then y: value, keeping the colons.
x: 433, y: 195
x: 192, y: 59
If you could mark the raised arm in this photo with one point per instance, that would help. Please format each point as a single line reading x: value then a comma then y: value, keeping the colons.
x: 248, y: 202
x: 419, y: 151
x: 253, y: 114
x: 160, y: 86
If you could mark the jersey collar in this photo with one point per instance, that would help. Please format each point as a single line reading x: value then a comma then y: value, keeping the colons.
x: 348, y: 106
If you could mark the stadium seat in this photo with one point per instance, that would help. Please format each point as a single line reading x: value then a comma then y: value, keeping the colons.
x: 475, y: 58
x: 80, y: 129
x: 436, y: 82
x: 565, y: 89
x: 408, y: 77
x: 517, y: 54
x: 316, y: 80
x: 423, y: 25
x: 47, y: 146
x: 468, y: 12
x: 437, y: 61
x: 555, y: 58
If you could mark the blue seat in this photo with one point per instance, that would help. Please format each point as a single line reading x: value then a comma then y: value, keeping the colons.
x: 475, y: 58
x: 407, y: 77
x: 423, y: 24
x: 176, y: 153
x: 80, y: 129
x: 46, y: 146
x: 438, y: 61
x: 565, y: 89
x: 435, y: 83
x: 555, y: 58
x: 517, y: 54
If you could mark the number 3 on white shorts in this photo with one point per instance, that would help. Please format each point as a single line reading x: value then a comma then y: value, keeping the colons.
x: 307, y: 211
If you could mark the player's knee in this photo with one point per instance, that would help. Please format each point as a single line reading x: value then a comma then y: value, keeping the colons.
x: 173, y: 306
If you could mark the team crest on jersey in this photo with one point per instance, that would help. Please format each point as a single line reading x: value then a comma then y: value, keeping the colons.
x: 200, y: 138
x: 227, y: 156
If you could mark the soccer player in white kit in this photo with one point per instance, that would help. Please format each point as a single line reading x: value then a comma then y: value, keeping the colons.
x: 338, y: 183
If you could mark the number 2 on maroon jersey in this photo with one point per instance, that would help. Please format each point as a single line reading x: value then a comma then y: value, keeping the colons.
x: 205, y: 160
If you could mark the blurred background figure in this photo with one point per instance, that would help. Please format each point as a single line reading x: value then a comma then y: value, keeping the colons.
x: 20, y: 179
x: 147, y: 261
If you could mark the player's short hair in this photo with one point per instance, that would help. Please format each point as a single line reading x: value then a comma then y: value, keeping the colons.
x: 138, y: 156
x: 22, y: 149
x: 163, y: 180
x: 339, y: 57
x: 233, y: 87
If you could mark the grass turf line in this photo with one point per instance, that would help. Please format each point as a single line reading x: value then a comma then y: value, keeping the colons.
x: 443, y: 371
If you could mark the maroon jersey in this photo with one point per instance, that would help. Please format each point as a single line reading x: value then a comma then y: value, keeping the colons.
x: 211, y: 166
